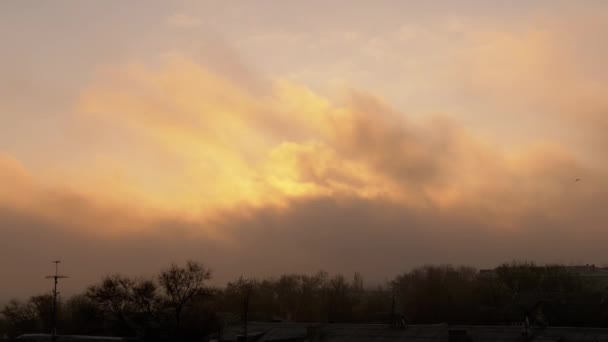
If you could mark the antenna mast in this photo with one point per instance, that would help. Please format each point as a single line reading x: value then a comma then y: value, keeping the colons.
x: 56, y: 278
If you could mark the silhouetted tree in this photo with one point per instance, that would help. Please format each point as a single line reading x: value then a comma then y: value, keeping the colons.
x: 243, y: 290
x: 132, y: 305
x: 180, y: 303
x: 147, y: 306
x: 82, y: 316
x: 182, y: 284
x: 3, y: 328
x: 43, y: 304
x: 337, y: 299
x: 527, y: 277
x: 114, y: 297
x: 433, y: 294
x: 311, y: 297
x: 20, y: 318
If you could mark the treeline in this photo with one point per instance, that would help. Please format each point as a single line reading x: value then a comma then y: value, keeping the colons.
x: 179, y: 303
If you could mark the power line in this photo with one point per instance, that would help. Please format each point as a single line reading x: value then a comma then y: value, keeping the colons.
x: 56, y: 278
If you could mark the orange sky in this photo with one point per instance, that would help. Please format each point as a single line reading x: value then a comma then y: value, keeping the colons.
x: 279, y: 138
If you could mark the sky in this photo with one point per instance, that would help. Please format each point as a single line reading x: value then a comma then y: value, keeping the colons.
x: 268, y: 137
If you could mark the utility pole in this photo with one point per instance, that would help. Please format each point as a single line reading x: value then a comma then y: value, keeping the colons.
x: 248, y: 287
x: 392, y: 318
x: 246, y: 312
x: 56, y: 278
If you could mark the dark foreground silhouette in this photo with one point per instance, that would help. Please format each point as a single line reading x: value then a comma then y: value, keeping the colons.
x: 178, y: 304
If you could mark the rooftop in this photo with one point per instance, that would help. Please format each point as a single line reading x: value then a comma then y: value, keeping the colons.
x: 427, y: 333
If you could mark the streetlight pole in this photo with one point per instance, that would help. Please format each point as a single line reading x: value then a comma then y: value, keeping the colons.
x: 56, y: 278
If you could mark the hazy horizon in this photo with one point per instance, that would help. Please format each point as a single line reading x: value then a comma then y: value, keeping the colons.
x: 270, y: 137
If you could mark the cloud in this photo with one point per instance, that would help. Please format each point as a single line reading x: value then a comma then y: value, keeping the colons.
x: 338, y: 234
x: 206, y: 144
x: 511, y: 78
x: 183, y: 21
x: 265, y: 177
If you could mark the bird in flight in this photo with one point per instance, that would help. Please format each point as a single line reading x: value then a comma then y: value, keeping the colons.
x: 578, y: 180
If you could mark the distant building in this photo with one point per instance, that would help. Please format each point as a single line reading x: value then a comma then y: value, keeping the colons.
x: 594, y: 274
x: 597, y: 276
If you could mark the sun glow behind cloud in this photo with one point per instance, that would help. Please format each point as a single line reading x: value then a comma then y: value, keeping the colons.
x: 232, y: 148
x: 216, y: 147
x: 454, y: 132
